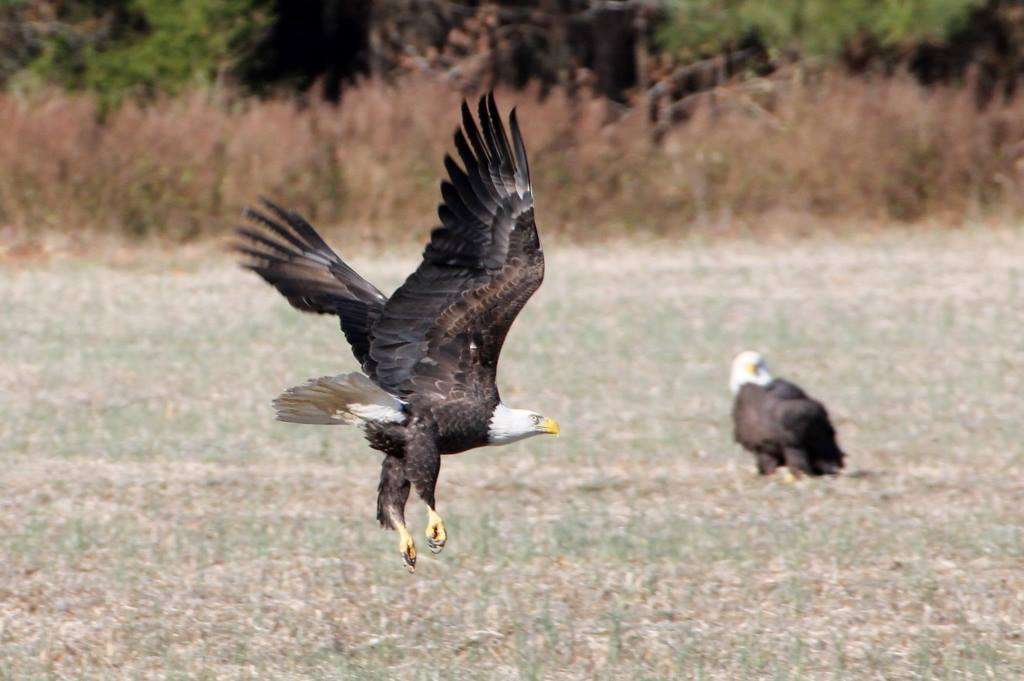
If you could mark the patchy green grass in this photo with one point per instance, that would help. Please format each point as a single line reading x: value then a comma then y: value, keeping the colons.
x: 155, y: 520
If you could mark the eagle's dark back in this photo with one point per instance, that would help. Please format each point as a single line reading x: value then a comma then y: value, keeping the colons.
x: 783, y: 426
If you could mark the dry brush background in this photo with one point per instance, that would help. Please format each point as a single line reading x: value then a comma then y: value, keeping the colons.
x: 795, y: 153
x: 156, y: 522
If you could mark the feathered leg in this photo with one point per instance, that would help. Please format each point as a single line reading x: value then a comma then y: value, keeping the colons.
x: 392, y: 493
x: 422, y: 466
x: 766, y: 463
x: 796, y: 462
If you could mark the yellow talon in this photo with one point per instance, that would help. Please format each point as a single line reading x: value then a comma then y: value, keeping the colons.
x: 436, y: 534
x: 406, y: 547
x: 788, y: 477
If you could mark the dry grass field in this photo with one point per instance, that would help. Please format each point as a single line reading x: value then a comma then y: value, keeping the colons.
x: 156, y: 522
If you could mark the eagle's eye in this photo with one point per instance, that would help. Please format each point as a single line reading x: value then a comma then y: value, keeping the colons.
x: 535, y: 418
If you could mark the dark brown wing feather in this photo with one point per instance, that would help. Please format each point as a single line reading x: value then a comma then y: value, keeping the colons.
x: 289, y: 254
x: 807, y: 425
x: 782, y: 415
x: 442, y: 331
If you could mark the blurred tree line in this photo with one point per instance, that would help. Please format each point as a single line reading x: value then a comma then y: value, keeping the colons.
x: 145, y: 47
x: 119, y: 48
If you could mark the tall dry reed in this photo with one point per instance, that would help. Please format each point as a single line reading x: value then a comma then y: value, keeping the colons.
x: 827, y: 149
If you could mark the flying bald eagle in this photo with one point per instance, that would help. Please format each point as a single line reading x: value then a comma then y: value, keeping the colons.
x: 429, y: 353
x: 779, y: 423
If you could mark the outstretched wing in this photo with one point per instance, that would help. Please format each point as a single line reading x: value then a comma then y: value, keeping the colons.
x: 442, y: 330
x: 290, y: 256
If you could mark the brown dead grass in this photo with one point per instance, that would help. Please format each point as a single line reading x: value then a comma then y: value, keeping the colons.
x: 794, y: 153
x: 155, y: 522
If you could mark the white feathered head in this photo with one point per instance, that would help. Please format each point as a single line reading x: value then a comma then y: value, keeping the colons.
x: 748, y: 367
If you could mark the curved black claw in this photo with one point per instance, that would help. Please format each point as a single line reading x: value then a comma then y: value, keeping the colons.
x: 407, y: 548
x: 437, y: 536
x: 435, y: 546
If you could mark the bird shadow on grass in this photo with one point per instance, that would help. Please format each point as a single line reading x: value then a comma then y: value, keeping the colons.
x: 863, y: 474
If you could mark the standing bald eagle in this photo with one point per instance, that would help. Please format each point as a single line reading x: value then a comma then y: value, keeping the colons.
x: 429, y: 353
x: 779, y: 423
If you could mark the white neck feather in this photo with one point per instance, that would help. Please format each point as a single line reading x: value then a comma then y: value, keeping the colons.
x: 509, y: 425
x: 748, y: 368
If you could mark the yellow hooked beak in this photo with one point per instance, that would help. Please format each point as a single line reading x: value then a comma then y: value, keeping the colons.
x: 753, y: 369
x: 550, y: 426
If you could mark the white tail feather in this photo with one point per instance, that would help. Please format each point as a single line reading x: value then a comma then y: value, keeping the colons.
x: 335, y: 400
